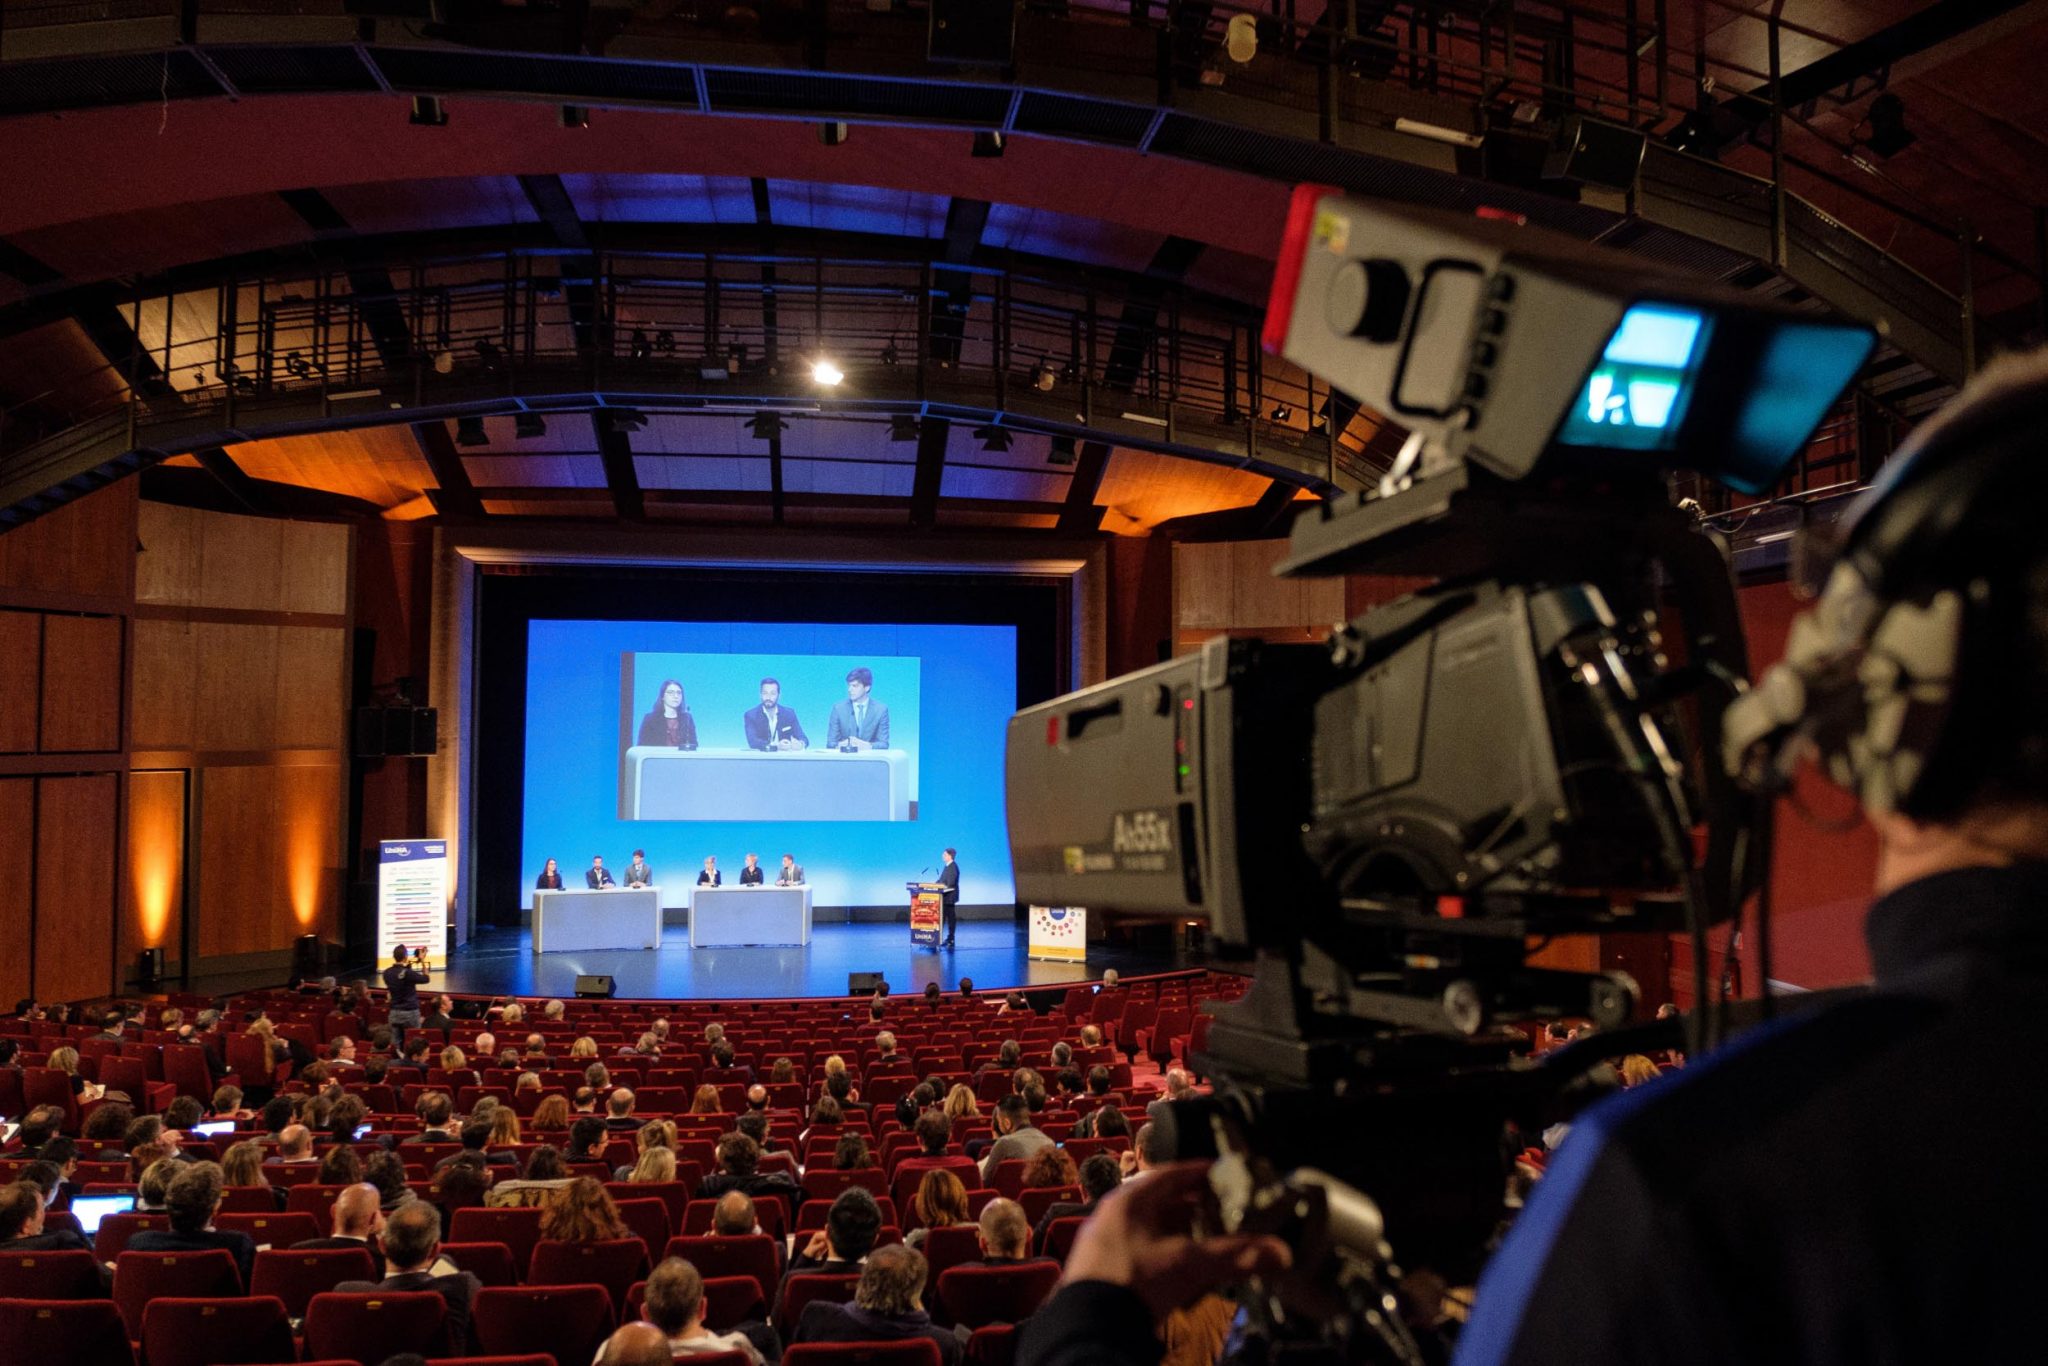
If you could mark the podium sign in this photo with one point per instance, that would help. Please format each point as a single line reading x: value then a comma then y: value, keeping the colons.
x: 927, y: 914
x: 1059, y: 934
x: 412, y: 896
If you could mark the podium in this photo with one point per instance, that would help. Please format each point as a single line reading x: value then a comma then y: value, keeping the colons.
x: 927, y: 913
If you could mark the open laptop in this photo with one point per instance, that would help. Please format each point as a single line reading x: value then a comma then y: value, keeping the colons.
x: 90, y: 1209
x: 214, y: 1129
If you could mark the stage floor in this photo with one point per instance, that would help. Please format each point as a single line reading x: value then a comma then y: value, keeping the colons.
x: 501, y: 962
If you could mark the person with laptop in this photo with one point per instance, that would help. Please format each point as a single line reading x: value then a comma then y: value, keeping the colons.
x: 21, y: 1227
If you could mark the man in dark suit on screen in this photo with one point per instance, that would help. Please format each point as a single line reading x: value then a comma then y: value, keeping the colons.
x: 598, y: 875
x: 949, y: 878
x: 860, y: 722
x: 772, y: 725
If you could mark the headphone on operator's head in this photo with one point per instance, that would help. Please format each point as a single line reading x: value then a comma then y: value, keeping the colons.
x: 1928, y: 649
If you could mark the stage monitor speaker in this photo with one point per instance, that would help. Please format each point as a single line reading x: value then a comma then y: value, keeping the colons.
x: 863, y: 983
x: 591, y: 986
x: 1596, y: 153
x: 308, y: 958
x: 980, y: 32
x: 149, y: 967
x: 426, y: 731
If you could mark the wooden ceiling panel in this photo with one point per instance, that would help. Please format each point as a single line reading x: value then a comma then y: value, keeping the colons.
x: 380, y: 465
x: 156, y: 239
x: 537, y: 471
x: 1143, y: 489
x: 56, y: 365
x: 1034, y: 521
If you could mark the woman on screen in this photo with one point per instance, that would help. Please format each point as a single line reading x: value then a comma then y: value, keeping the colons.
x: 670, y: 724
x: 550, y: 879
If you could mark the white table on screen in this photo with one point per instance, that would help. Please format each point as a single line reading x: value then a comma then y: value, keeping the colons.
x: 728, y: 917
x: 618, y: 918
x: 666, y: 784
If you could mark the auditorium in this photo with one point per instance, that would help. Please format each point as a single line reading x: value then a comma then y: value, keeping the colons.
x: 857, y: 682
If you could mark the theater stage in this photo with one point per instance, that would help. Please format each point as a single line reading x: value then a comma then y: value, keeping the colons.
x: 501, y: 962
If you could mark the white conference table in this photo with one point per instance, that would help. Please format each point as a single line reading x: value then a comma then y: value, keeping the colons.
x: 664, y: 784
x: 614, y: 918
x: 727, y: 917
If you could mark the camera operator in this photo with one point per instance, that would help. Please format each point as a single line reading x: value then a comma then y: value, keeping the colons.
x: 1861, y: 1182
x: 1854, y: 1183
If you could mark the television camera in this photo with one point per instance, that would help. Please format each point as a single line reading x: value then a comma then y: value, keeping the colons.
x: 1387, y: 824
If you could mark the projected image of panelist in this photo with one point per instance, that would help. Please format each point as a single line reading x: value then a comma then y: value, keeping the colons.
x: 669, y: 724
x: 709, y: 877
x: 639, y: 873
x: 861, y: 721
x: 598, y: 875
x: 772, y: 725
x: 753, y: 874
x: 792, y: 874
x: 550, y: 879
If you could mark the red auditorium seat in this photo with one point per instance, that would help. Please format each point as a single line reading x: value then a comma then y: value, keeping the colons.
x: 248, y: 1200
x: 536, y: 1359
x: 185, y: 1069
x: 314, y: 1199
x: 754, y: 1254
x: 1059, y: 1236
x: 50, y: 1276
x: 972, y: 1296
x: 730, y: 1301
x: 90, y: 1332
x: 215, y: 1332
x: 648, y: 1220
x: 909, y: 1352
x: 676, y: 1195
x: 1039, y: 1199
x: 517, y: 1229
x: 43, y: 1086
x: 490, y: 1263
x: 568, y: 1322
x: 992, y: 1345
x: 614, y: 1264
x: 296, y: 1277
x: 1008, y: 1178
x: 948, y: 1247
x: 140, y: 1277
x: 371, y: 1327
x: 800, y: 1289
x: 276, y: 1230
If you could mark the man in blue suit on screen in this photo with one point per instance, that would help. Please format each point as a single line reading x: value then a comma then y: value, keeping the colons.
x: 860, y: 722
x: 772, y: 725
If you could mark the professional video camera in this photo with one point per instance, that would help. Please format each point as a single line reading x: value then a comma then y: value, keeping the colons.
x: 1526, y: 748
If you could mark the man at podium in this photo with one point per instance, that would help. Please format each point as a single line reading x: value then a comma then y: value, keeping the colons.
x: 949, y: 878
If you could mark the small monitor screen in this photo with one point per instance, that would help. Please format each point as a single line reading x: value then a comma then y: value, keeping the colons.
x: 1635, y: 398
x: 215, y: 1128
x: 90, y: 1209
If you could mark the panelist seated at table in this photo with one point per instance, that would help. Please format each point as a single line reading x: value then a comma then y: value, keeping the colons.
x: 550, y: 879
x: 792, y: 874
x: 669, y: 724
x: 598, y: 875
x: 639, y: 873
x: 709, y: 877
x: 860, y: 722
x: 753, y: 874
x: 772, y: 725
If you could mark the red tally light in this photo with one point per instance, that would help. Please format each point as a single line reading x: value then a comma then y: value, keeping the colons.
x: 1294, y: 243
x: 1500, y: 215
x: 1450, y: 907
x: 1052, y: 730
x: 1187, y: 704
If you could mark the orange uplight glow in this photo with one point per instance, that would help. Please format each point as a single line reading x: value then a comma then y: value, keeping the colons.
x: 302, y: 871
x: 156, y: 852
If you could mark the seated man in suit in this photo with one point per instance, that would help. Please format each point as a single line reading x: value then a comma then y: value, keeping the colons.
x: 21, y: 1223
x: 888, y: 1306
x: 771, y: 725
x: 598, y: 876
x: 639, y: 873
x: 851, y: 1227
x: 675, y: 1305
x: 191, y: 1202
x: 358, y: 1219
x: 860, y: 722
x: 753, y: 874
x: 412, y: 1242
x: 792, y: 874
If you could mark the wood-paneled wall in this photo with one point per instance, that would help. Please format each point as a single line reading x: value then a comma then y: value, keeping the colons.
x: 1228, y: 588
x: 66, y: 607
x: 240, y: 722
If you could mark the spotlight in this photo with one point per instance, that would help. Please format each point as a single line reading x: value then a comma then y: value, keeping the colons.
x: 826, y: 373
x: 1043, y: 377
x: 988, y: 144
x: 994, y: 438
x: 766, y: 426
x: 428, y: 112
x: 641, y: 346
x: 1281, y: 412
x: 904, y: 428
x: 527, y: 426
x: 1061, y: 452
x: 469, y: 431
x: 832, y: 134
x: 1241, y: 38
x: 444, y: 361
x: 575, y: 116
x: 1889, y: 134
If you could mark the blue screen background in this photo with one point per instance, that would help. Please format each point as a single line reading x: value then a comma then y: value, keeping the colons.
x: 967, y: 678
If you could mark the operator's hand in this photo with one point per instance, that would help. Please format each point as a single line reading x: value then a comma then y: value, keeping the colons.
x: 1140, y: 1237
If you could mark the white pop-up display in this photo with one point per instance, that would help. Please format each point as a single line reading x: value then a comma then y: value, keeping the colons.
x: 412, y: 896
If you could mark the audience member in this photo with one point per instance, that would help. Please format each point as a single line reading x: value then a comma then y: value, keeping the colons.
x: 412, y: 1245
x: 582, y: 1211
x: 1016, y: 1137
x: 1100, y: 1175
x: 888, y: 1306
x: 675, y: 1305
x: 851, y: 1227
x: 739, y: 1159
x: 191, y: 1202
x: 939, y: 1202
x: 358, y: 1222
